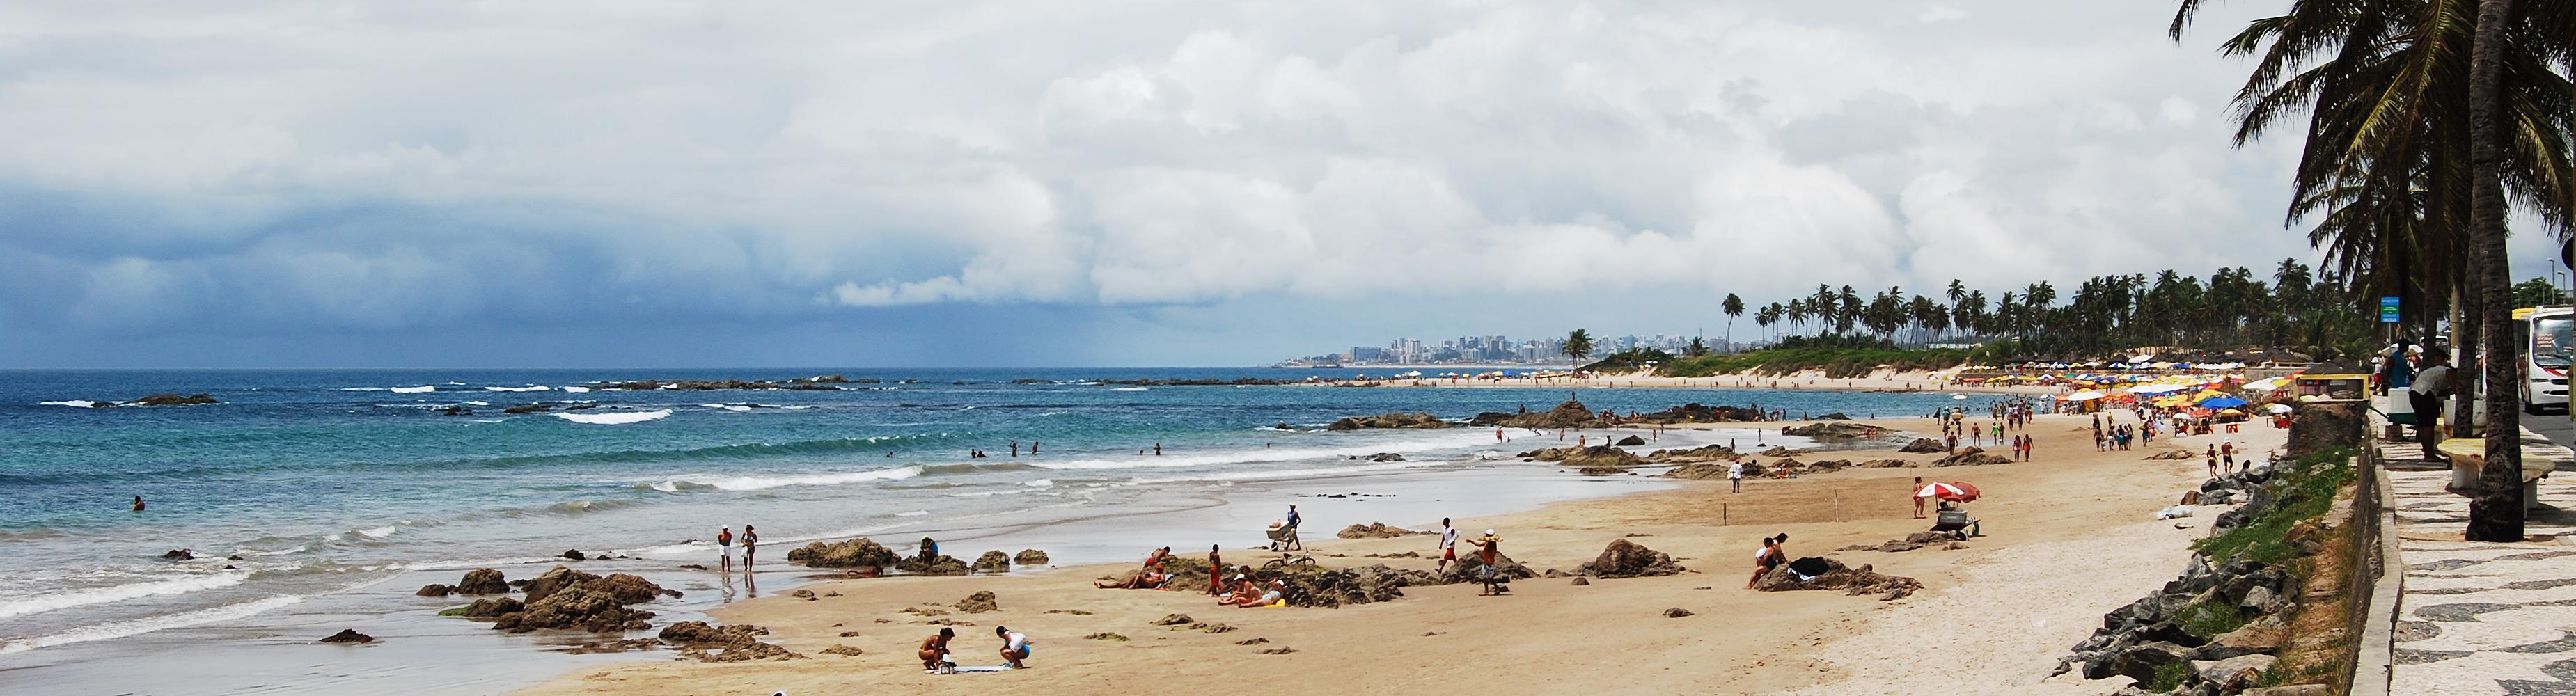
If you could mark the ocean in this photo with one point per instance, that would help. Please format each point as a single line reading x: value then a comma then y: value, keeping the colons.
x: 318, y: 498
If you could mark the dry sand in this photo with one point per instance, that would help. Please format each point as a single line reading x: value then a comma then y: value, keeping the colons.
x: 2068, y: 537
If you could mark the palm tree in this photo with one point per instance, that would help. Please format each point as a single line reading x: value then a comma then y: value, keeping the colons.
x: 1734, y: 307
x: 2496, y: 513
x: 1770, y: 314
x: 1850, y: 309
x: 1578, y: 345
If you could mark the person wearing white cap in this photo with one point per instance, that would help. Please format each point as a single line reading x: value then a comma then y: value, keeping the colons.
x: 1489, y: 550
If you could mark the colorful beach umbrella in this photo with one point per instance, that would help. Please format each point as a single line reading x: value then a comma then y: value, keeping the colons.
x: 1948, y: 490
x: 2221, y: 402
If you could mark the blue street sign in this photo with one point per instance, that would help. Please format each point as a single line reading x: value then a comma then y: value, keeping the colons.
x: 2388, y: 310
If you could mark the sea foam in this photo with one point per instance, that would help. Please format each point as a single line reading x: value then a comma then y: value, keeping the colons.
x: 75, y: 403
x: 615, y: 418
x: 754, y: 483
x: 422, y: 389
x: 159, y: 623
x: 118, y: 593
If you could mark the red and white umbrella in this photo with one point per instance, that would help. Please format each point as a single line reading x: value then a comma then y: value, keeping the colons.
x: 1948, y: 490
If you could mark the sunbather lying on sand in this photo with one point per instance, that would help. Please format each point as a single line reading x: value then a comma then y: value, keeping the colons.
x: 1248, y: 599
x: 1134, y: 580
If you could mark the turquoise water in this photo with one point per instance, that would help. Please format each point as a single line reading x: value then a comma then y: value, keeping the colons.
x: 327, y: 483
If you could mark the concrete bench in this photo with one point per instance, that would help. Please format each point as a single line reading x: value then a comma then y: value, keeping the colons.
x: 2539, y: 458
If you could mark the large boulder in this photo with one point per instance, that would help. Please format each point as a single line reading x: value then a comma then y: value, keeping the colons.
x: 1838, y: 430
x: 1389, y: 420
x: 2141, y: 661
x: 1374, y: 530
x: 1923, y: 445
x: 992, y: 562
x: 1030, y: 557
x: 555, y: 580
x: 1593, y: 456
x: 1468, y: 565
x: 628, y: 589
x: 172, y: 400
x: 1571, y: 414
x: 2319, y: 427
x: 1697, y: 471
x: 943, y: 565
x: 1971, y: 456
x: 1630, y: 441
x: 576, y: 607
x: 493, y: 607
x: 979, y: 602
x: 482, y: 581
x: 852, y: 553
x: 1626, y: 559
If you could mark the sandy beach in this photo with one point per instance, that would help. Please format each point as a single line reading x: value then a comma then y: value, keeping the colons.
x: 2067, y: 536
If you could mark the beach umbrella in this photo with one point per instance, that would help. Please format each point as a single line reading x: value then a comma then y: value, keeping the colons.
x: 2086, y: 395
x: 1948, y: 490
x: 2221, y: 402
x: 2278, y: 408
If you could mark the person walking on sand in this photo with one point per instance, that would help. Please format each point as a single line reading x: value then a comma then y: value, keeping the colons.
x: 724, y: 548
x: 1735, y: 477
x: 1015, y: 646
x: 934, y: 650
x: 750, y: 543
x: 2227, y: 456
x: 2213, y: 461
x: 1917, y: 494
x: 1489, y: 551
x: 1448, y: 547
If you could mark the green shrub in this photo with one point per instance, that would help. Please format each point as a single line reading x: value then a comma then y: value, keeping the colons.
x: 2209, y: 619
x: 2169, y: 677
x: 2303, y: 489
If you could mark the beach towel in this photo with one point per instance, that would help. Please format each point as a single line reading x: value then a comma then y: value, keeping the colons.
x: 981, y: 669
x: 1808, y: 568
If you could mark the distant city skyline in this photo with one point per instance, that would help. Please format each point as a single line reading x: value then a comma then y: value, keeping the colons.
x: 1500, y: 349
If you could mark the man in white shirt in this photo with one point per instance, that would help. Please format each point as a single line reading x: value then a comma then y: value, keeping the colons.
x: 1448, y: 546
x: 1735, y: 477
x: 1015, y: 646
x: 2432, y: 382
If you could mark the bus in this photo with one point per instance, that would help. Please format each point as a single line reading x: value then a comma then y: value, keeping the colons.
x: 2546, y: 352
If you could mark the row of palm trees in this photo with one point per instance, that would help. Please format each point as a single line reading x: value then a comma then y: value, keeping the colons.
x: 2425, y: 120
x: 2295, y: 307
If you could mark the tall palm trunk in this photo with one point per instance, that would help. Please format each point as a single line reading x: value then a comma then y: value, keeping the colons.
x: 2495, y: 512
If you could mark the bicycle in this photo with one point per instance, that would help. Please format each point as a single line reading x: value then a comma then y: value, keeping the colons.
x: 1284, y: 560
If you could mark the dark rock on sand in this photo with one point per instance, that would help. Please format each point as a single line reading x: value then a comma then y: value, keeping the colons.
x: 1697, y: 471
x: 349, y: 635
x: 1390, y: 420
x: 1697, y: 454
x: 852, y: 553
x: 1173, y: 620
x: 1374, y: 530
x: 1600, y: 471
x: 1832, y: 431
x: 1971, y: 456
x: 943, y: 565
x: 482, y: 581
x: 2140, y: 662
x: 1853, y: 581
x: 1626, y: 559
x: 494, y: 607
x: 1923, y: 445
x: 992, y: 562
x: 1630, y: 441
x: 980, y: 602
x: 2172, y: 454
x: 1382, y: 457
x: 555, y: 580
x: 435, y: 590
x: 1676, y: 612
x: 842, y: 650
x: 1580, y: 580
x: 1571, y: 414
x: 577, y: 607
x: 1882, y: 464
x: 1596, y: 455
x: 1029, y: 557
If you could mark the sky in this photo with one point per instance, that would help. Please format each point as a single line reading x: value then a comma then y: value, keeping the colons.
x: 1102, y: 183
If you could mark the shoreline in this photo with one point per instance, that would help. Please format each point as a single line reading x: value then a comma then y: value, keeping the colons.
x: 2073, y: 525
x: 1878, y: 382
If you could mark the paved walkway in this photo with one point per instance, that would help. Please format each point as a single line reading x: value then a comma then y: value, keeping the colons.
x: 2477, y: 617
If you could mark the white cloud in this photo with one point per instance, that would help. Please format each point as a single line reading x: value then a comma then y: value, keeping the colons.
x: 757, y: 161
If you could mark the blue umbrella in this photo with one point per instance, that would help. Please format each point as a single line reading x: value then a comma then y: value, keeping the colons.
x: 2221, y: 402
